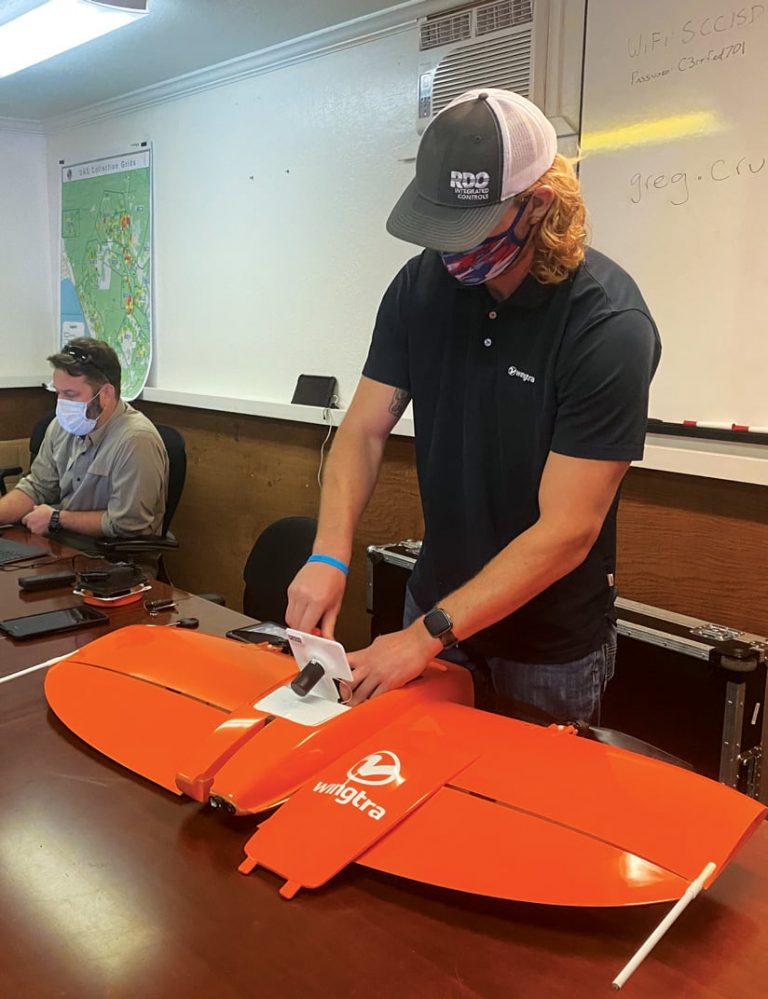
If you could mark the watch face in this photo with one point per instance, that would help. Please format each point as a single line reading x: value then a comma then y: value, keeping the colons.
x: 437, y: 621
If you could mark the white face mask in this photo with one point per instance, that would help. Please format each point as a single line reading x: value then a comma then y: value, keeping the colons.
x: 71, y: 415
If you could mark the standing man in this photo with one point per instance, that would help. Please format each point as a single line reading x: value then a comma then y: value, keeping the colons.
x: 102, y: 468
x: 528, y: 360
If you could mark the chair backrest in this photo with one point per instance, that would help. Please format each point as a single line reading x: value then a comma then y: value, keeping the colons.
x: 13, y: 461
x: 280, y: 551
x: 174, y: 446
x: 177, y: 469
x: 38, y: 432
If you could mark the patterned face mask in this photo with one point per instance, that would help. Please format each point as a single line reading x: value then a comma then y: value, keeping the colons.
x: 489, y: 258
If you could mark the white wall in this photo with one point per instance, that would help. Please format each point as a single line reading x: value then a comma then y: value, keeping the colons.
x: 271, y: 196
x: 272, y: 188
x: 270, y: 199
x: 27, y: 325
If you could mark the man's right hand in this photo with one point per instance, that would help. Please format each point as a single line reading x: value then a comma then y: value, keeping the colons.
x: 15, y: 506
x: 315, y: 595
x: 314, y: 598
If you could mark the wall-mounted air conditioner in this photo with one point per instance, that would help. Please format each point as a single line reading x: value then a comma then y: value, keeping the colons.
x: 483, y: 45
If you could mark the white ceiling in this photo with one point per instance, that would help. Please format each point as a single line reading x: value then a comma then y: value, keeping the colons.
x: 176, y: 37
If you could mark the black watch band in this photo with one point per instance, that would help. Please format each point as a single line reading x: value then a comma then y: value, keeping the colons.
x: 53, y: 523
x: 440, y: 625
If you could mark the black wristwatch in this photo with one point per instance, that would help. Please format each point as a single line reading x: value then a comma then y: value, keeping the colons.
x: 53, y: 523
x: 440, y: 625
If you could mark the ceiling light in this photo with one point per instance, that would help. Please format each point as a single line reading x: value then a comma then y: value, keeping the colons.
x: 59, y: 25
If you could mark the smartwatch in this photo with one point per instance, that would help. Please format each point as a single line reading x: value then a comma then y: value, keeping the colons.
x: 440, y: 625
x: 53, y: 523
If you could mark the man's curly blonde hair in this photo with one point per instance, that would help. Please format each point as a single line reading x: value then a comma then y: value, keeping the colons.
x: 560, y: 238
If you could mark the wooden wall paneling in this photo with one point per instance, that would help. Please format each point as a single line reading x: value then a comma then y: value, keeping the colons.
x: 20, y: 409
x: 393, y: 514
x: 695, y: 546
x: 692, y: 545
x: 687, y: 544
x: 242, y: 473
x: 246, y: 472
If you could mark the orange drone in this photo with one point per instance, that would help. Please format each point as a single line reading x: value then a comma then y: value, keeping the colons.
x: 410, y: 782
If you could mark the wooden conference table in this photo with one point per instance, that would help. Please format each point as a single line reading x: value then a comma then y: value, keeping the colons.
x: 112, y: 887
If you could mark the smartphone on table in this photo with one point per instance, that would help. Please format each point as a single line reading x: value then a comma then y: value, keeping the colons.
x: 263, y: 631
x: 66, y: 619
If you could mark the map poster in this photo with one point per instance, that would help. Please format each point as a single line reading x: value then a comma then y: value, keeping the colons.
x: 106, y: 259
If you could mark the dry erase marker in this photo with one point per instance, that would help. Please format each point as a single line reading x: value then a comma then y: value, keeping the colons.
x: 740, y: 428
x: 708, y: 425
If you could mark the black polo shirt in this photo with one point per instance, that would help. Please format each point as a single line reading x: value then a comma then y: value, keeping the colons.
x: 495, y: 388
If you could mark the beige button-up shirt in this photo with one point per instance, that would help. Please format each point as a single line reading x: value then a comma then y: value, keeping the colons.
x: 120, y: 468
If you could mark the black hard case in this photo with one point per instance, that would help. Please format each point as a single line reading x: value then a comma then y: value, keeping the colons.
x: 694, y: 689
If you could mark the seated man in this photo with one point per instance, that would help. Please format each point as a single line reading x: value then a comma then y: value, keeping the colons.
x: 102, y: 468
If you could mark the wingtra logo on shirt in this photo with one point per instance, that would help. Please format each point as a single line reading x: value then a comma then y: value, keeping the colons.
x: 470, y: 186
x: 515, y: 373
x: 379, y: 768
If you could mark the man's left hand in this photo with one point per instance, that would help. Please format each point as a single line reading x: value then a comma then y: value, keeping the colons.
x: 38, y: 518
x: 391, y: 661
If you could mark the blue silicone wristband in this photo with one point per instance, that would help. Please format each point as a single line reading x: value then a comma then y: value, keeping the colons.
x: 329, y: 560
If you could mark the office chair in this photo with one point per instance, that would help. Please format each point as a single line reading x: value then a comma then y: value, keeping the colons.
x: 35, y: 440
x: 174, y: 446
x: 38, y: 432
x: 156, y: 544
x: 152, y: 545
x: 6, y: 471
x: 279, y: 552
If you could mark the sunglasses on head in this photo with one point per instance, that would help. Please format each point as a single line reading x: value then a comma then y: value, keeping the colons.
x: 83, y: 356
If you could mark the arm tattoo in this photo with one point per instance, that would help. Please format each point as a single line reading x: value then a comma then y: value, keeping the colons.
x: 400, y: 400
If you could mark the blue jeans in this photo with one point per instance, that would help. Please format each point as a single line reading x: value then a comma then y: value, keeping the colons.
x: 566, y: 692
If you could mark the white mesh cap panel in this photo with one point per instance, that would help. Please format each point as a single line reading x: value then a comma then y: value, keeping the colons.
x: 528, y: 137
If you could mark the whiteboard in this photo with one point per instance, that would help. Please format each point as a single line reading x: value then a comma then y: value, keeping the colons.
x: 675, y: 176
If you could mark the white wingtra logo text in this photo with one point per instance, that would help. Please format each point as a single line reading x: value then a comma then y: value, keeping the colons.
x: 376, y: 768
x: 512, y: 370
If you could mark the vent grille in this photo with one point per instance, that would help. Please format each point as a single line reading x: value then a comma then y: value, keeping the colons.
x: 444, y: 30
x: 498, y: 62
x: 506, y: 14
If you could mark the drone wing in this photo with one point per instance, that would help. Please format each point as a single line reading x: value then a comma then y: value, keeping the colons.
x: 188, y: 711
x: 490, y: 805
x: 151, y: 698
